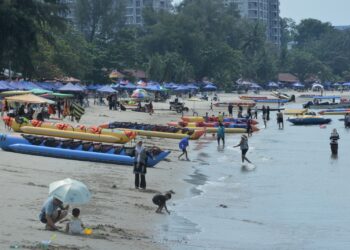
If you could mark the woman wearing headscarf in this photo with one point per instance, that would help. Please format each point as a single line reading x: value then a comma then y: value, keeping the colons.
x: 243, y: 144
x: 140, y: 165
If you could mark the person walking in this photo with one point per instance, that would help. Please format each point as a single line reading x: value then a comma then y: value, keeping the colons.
x: 183, y: 146
x: 268, y: 113
x: 220, y: 134
x: 249, y: 127
x: 334, y: 142
x: 249, y: 113
x: 243, y: 144
x: 230, y: 109
x: 256, y: 112
x: 140, y: 165
x: 280, y: 120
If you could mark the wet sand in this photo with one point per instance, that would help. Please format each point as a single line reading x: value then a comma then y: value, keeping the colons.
x: 121, y: 217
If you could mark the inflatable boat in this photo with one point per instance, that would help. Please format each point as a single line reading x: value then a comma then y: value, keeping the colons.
x: 76, y: 150
x: 309, y: 119
x: 156, y: 130
x: 334, y: 112
x: 216, y: 119
x: 79, y: 132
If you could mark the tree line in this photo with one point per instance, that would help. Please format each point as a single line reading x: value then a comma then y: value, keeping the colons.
x: 199, y: 38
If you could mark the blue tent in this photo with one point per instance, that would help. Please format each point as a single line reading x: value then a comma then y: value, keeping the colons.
x: 273, y: 85
x: 182, y: 88
x: 106, y: 89
x: 191, y: 86
x: 4, y: 86
x: 155, y: 88
x: 255, y: 86
x: 210, y: 87
x: 129, y: 86
x: 171, y: 85
x: 347, y: 84
x: 298, y: 85
x: 70, y: 87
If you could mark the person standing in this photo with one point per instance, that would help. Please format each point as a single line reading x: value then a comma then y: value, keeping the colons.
x: 183, y: 146
x: 249, y: 127
x: 220, y: 117
x: 256, y: 112
x: 150, y: 106
x: 334, y: 142
x: 243, y: 144
x: 280, y: 120
x: 268, y: 113
x: 140, y: 165
x: 220, y: 134
x: 249, y: 112
x: 265, y: 119
x: 230, y: 109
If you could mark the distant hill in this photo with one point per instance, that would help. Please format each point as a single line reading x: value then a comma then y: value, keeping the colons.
x: 343, y: 27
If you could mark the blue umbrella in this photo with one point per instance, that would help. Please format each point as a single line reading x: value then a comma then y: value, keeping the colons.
x: 191, y: 86
x: 4, y: 86
x: 129, y: 86
x: 210, y: 87
x: 347, y: 84
x: 273, y: 84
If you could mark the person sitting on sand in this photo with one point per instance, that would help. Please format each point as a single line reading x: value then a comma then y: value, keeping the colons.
x: 50, y: 213
x: 160, y: 201
x: 75, y: 225
x: 183, y: 146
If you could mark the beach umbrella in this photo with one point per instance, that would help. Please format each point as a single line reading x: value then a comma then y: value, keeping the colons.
x: 106, y: 89
x: 191, y: 86
x: 139, y: 94
x: 28, y: 98
x: 347, y: 84
x: 40, y: 91
x: 317, y: 85
x: 4, y: 86
x: 70, y: 191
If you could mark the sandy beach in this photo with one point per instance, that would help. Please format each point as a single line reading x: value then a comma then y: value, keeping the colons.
x: 120, y: 216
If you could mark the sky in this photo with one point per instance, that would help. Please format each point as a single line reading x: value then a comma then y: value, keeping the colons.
x: 336, y: 12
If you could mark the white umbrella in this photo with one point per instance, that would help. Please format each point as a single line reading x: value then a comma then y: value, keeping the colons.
x: 70, y: 191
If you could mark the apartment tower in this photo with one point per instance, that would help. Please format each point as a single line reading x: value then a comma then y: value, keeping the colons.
x: 265, y: 11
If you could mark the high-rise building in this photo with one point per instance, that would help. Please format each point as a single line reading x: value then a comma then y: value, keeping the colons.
x: 265, y: 11
x: 134, y: 9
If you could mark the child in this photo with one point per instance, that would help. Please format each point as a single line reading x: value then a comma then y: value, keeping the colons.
x: 75, y: 225
x: 160, y: 200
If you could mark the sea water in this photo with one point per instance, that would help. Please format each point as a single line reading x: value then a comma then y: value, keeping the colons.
x: 297, y: 197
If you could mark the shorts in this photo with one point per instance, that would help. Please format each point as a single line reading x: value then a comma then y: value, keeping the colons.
x: 244, y: 151
x: 184, y: 150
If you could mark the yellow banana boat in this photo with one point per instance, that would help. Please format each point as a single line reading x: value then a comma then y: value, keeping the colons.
x: 79, y: 132
x: 195, y: 136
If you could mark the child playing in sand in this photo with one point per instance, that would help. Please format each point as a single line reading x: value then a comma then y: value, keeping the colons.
x: 160, y: 200
x: 75, y: 225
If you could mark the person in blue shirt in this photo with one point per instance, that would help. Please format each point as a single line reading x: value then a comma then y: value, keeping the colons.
x: 183, y: 145
x: 220, y: 134
x: 50, y: 213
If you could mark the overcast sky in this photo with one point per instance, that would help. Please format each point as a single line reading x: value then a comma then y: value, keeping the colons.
x: 335, y: 11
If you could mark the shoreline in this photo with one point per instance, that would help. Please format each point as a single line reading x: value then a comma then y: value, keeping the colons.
x: 121, y: 216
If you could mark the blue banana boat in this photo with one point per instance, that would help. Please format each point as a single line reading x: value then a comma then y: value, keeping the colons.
x: 76, y: 150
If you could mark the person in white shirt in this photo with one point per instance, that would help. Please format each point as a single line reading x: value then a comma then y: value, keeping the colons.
x: 75, y: 225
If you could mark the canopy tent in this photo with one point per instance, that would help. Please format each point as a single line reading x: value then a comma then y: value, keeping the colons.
x: 273, y: 85
x: 155, y: 88
x: 347, y: 84
x: 317, y: 86
x: 81, y: 86
x: 182, y: 88
x: 171, y: 85
x: 336, y: 84
x: 4, y: 86
x: 128, y: 86
x: 70, y: 87
x: 28, y: 98
x: 106, y: 89
x: 255, y: 86
x: 298, y: 85
x: 210, y: 87
x: 191, y: 86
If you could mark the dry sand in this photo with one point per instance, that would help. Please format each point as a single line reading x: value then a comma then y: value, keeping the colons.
x: 121, y: 217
